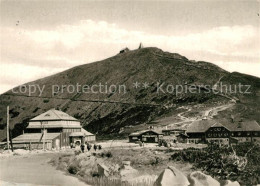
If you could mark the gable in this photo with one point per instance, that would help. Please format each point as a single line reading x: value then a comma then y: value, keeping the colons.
x: 52, y: 115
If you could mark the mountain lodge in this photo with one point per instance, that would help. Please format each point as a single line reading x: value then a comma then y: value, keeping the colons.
x: 53, y: 129
x: 224, y: 131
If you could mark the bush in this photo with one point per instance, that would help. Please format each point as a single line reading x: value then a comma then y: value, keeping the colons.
x: 77, y: 152
x: 107, y: 154
x: 223, y: 163
x: 73, y: 169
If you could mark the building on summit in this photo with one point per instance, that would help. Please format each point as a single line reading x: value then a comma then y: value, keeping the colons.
x: 224, y: 131
x: 53, y: 129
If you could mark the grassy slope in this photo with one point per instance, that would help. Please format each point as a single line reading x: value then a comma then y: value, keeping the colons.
x: 150, y: 65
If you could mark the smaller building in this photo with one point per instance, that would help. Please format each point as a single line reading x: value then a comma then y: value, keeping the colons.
x: 182, y: 138
x: 146, y: 136
x: 81, y: 137
x: 124, y: 50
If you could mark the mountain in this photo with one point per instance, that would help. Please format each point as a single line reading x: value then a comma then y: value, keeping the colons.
x: 106, y: 112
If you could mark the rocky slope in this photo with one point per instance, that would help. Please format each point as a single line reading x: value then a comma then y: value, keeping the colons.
x: 106, y: 112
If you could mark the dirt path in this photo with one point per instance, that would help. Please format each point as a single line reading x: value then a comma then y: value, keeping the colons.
x: 214, y: 111
x: 33, y: 170
x: 209, y: 113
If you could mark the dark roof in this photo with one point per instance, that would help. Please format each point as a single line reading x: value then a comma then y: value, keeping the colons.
x: 200, y: 126
x: 166, y: 130
x: 204, y: 125
x: 242, y: 126
x: 184, y: 135
x: 144, y: 131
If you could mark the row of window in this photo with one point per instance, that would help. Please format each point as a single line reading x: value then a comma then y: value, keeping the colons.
x: 232, y: 134
x: 247, y: 133
x: 217, y: 134
x: 46, y: 122
x: 72, y: 130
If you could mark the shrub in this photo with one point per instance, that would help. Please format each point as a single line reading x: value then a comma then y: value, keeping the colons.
x: 107, y: 154
x: 236, y: 164
x: 77, y: 152
x: 73, y: 169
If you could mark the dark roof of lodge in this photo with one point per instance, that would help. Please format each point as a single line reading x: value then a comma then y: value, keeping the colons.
x: 204, y: 125
x: 164, y: 130
x: 182, y: 134
x: 34, y: 137
x: 52, y: 115
x: 143, y: 131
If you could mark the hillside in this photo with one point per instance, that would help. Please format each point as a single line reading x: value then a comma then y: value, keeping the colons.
x: 104, y: 113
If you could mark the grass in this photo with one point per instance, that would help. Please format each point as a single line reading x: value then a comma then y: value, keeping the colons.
x: 236, y: 163
x: 148, y: 162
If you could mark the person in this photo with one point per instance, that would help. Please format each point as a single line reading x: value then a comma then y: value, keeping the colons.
x: 82, y: 147
x: 95, y: 147
x: 99, y: 147
x: 88, y: 146
x: 71, y: 145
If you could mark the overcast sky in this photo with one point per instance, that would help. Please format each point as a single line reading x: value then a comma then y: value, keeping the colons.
x: 40, y: 38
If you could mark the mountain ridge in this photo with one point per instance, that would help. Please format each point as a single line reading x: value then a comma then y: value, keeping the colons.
x: 107, y: 113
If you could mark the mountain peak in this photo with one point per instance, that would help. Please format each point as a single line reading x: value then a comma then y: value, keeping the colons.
x: 106, y: 111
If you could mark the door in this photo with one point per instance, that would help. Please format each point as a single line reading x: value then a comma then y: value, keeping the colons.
x: 57, y: 143
x: 150, y: 139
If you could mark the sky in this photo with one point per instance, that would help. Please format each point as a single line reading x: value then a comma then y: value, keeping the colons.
x: 41, y: 38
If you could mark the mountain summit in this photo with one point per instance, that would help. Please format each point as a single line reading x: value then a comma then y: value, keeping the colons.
x: 128, y: 89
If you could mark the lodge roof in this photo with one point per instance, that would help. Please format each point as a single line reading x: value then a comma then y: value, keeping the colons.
x: 204, y: 125
x: 144, y: 131
x: 34, y: 137
x: 53, y: 114
x: 182, y: 134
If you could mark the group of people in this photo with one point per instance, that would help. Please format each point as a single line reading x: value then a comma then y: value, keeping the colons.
x: 86, y: 145
x: 89, y: 146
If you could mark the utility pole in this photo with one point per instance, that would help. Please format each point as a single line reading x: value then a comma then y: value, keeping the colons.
x: 43, y: 138
x: 7, y: 128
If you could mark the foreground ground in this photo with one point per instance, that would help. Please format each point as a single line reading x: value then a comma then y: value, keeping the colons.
x: 33, y: 170
x: 68, y: 167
